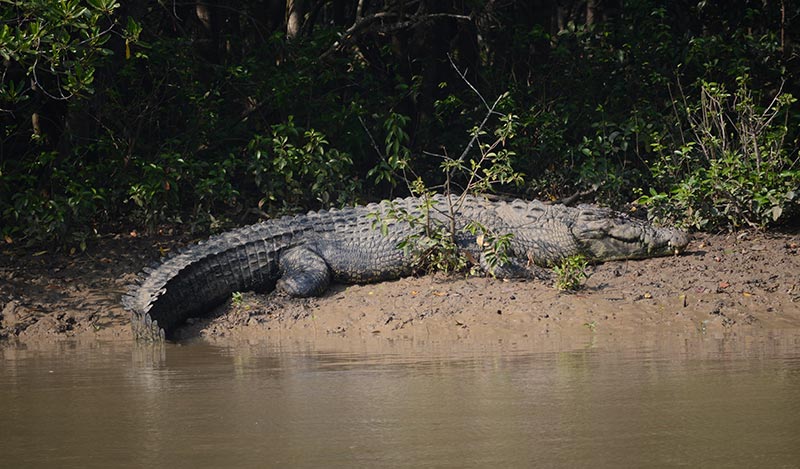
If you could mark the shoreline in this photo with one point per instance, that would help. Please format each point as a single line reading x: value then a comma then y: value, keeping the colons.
x: 743, y: 284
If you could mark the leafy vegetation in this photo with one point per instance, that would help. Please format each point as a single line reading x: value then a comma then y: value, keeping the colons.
x: 437, y: 247
x: 731, y: 168
x: 119, y: 115
x: 237, y: 298
x: 571, y: 273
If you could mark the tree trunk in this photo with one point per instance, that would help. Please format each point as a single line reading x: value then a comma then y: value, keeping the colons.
x: 591, y: 11
x: 208, y: 32
x: 294, y: 18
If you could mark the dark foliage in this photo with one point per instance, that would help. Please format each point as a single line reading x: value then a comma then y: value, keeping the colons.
x: 138, y: 114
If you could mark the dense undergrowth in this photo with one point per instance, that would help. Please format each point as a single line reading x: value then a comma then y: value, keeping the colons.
x: 140, y: 115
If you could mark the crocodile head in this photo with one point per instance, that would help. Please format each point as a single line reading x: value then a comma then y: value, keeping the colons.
x: 606, y: 235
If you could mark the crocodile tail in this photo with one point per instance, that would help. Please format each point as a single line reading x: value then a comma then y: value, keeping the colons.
x: 206, y: 274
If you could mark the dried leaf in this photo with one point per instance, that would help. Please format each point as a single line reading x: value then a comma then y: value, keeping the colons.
x: 777, y: 211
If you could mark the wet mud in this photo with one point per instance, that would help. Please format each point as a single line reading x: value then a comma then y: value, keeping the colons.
x: 724, y: 284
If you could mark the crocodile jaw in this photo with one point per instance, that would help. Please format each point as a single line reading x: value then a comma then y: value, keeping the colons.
x: 615, y: 238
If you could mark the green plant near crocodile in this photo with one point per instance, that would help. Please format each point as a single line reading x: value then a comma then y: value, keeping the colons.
x: 571, y: 273
x: 237, y: 298
x: 483, y: 164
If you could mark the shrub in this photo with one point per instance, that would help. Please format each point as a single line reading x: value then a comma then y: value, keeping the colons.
x: 731, y: 168
x: 295, y: 168
x: 437, y: 247
x: 571, y: 273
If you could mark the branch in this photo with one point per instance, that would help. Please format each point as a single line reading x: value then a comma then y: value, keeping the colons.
x: 371, y: 139
x: 491, y: 110
x: 363, y: 24
x: 568, y: 201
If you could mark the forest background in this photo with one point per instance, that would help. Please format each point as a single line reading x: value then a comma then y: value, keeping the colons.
x: 140, y: 115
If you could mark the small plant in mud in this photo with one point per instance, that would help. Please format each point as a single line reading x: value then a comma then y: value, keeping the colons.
x: 571, y: 273
x: 437, y: 247
x: 237, y: 298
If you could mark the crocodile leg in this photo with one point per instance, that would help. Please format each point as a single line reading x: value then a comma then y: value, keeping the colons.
x: 303, y: 273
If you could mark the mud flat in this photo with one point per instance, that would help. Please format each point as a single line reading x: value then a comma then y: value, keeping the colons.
x: 744, y: 283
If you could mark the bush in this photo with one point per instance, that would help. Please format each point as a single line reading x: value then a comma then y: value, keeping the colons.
x: 294, y: 168
x: 731, y: 168
x: 571, y: 273
x: 437, y: 246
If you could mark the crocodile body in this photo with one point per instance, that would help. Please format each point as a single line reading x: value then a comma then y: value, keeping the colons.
x: 301, y: 255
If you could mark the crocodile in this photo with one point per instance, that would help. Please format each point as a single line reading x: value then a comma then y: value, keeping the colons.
x: 301, y: 255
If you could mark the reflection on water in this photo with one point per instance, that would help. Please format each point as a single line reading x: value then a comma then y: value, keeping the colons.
x: 666, y: 401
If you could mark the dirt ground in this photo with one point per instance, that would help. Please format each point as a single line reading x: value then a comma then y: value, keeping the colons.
x: 723, y: 284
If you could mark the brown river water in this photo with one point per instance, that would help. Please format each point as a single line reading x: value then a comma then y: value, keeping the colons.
x: 652, y: 402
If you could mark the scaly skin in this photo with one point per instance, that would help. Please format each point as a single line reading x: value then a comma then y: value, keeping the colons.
x: 301, y: 255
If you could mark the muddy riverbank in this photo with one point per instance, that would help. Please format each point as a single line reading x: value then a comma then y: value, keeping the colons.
x: 739, y: 283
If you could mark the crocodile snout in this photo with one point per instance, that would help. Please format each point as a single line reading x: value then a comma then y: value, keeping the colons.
x: 678, y: 241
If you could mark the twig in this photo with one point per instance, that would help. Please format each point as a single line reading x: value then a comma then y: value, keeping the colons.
x: 568, y: 201
x: 476, y: 134
x: 463, y: 76
x: 371, y: 139
x: 362, y: 23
